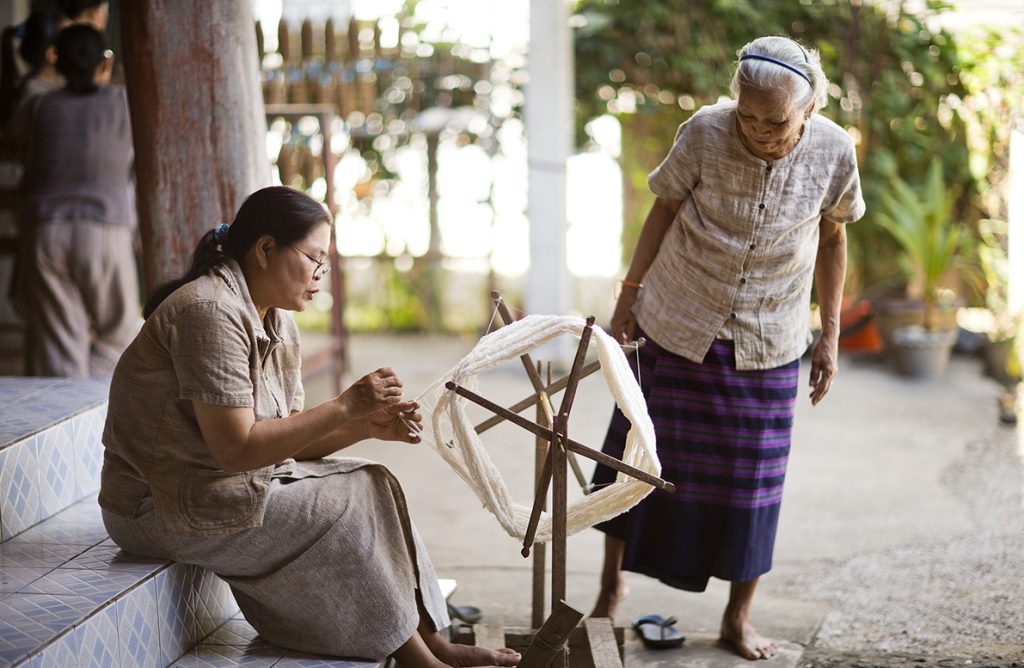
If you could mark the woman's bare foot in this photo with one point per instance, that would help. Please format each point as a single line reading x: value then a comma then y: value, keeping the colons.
x: 463, y: 656
x: 739, y: 633
x: 613, y: 582
x: 609, y: 598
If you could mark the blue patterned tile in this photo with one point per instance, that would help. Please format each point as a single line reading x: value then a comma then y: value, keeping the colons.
x: 104, y: 557
x: 98, y: 639
x: 213, y: 601
x: 63, y: 532
x: 138, y: 627
x: 87, y: 431
x: 177, y: 620
x: 216, y: 656
x: 19, y: 487
x: 18, y: 423
x: 302, y: 660
x: 237, y: 632
x: 293, y: 659
x: 85, y: 510
x: 37, y: 555
x: 61, y: 652
x: 97, y: 586
x: 16, y: 578
x: 28, y: 621
x: 57, y: 488
x: 30, y: 406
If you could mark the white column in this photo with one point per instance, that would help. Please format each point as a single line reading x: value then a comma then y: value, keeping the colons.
x: 549, y: 134
x: 549, y: 119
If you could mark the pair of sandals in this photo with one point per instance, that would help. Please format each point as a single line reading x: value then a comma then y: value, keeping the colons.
x: 657, y: 632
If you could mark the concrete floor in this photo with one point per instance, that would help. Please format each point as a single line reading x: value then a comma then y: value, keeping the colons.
x: 901, y: 531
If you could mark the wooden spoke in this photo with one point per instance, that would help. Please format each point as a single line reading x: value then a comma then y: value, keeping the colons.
x: 539, y: 499
x: 551, y: 389
x: 570, y: 444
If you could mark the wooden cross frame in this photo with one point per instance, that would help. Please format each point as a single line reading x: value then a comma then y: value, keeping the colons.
x: 553, y: 475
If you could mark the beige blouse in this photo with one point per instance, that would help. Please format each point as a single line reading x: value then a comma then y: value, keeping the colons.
x: 205, y: 343
x: 738, y: 260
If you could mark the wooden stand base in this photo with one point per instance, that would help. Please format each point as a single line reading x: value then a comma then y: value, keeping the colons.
x: 595, y: 644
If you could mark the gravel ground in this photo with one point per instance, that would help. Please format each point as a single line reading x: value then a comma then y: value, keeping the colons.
x: 962, y: 602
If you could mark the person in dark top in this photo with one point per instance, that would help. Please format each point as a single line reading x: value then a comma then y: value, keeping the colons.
x: 85, y: 303
x: 34, y: 39
x: 94, y: 12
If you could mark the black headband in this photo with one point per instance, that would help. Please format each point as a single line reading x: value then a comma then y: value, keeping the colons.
x: 756, y: 56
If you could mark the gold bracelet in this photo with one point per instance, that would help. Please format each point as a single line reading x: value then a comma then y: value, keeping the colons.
x: 631, y: 284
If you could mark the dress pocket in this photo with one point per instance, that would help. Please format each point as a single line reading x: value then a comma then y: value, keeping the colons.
x: 217, y: 500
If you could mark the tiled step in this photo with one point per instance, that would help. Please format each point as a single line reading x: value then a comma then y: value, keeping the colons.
x: 50, y: 450
x: 68, y: 596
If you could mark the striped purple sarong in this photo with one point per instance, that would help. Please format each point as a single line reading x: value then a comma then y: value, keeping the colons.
x: 723, y: 439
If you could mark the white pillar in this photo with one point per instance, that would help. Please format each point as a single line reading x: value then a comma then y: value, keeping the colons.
x: 549, y: 121
x: 548, y: 109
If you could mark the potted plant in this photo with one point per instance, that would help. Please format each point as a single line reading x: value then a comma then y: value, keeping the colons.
x: 1000, y: 353
x: 922, y: 224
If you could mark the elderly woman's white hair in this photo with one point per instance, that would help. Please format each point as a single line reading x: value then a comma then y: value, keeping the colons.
x: 779, y: 63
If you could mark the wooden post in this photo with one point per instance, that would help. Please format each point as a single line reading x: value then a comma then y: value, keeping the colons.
x: 604, y: 648
x: 559, y: 504
x: 540, y: 550
x: 197, y: 118
x: 550, y: 639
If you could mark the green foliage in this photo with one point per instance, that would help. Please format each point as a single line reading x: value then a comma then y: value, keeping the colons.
x: 896, y: 86
x: 995, y: 267
x: 923, y: 226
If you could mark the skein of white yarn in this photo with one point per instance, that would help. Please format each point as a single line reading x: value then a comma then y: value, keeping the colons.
x: 453, y: 436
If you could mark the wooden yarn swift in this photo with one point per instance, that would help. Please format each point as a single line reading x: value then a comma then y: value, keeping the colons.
x: 557, y: 641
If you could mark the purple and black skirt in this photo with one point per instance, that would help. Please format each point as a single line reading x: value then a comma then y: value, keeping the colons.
x: 723, y: 440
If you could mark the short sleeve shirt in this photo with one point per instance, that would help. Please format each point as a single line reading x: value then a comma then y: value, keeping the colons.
x: 204, y: 343
x: 739, y: 256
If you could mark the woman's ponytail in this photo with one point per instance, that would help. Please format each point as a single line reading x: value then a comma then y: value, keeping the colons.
x: 205, y: 257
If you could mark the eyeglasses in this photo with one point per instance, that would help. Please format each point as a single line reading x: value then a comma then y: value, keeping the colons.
x: 322, y: 267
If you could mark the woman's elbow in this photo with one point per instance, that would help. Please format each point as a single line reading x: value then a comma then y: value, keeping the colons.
x: 231, y: 458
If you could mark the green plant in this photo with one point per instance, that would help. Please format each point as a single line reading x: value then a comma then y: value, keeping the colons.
x: 995, y: 268
x: 923, y: 226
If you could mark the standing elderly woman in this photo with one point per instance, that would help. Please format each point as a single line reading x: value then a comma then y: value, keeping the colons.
x: 210, y: 458
x: 751, y: 205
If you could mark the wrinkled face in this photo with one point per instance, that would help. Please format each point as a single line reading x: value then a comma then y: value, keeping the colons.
x: 300, y: 268
x: 769, y: 124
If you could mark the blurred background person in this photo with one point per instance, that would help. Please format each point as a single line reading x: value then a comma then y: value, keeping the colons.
x: 94, y: 12
x: 84, y: 306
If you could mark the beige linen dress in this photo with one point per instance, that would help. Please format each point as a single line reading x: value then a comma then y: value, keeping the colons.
x: 321, y: 555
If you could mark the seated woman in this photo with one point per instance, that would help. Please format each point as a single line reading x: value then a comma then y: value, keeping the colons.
x: 210, y: 458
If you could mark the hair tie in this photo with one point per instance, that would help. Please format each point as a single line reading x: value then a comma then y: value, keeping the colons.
x: 757, y: 56
x: 220, y: 233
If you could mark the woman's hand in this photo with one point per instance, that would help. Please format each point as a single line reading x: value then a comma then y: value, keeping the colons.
x: 623, y: 320
x: 373, y: 392
x: 824, y: 364
x: 400, y: 422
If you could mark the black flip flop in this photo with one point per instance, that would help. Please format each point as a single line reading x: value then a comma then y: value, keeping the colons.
x: 466, y: 613
x: 658, y: 632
